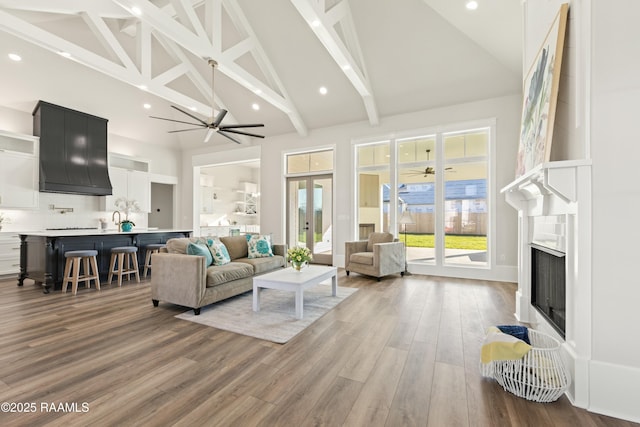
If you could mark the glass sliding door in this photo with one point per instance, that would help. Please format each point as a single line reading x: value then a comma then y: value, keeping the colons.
x: 309, y: 217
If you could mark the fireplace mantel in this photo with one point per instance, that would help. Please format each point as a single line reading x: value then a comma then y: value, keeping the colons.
x: 553, y: 201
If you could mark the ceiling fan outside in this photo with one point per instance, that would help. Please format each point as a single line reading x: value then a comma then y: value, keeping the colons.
x: 427, y: 171
x: 214, y: 125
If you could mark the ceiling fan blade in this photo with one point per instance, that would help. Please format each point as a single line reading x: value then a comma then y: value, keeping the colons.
x: 242, y: 133
x: 209, y: 135
x: 230, y: 137
x: 221, y: 115
x: 177, y: 121
x: 190, y: 115
x: 257, y: 125
x: 185, y: 130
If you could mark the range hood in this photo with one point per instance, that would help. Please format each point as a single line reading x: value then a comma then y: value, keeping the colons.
x: 73, y: 151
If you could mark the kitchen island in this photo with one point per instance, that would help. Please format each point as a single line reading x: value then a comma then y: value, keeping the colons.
x: 42, y: 252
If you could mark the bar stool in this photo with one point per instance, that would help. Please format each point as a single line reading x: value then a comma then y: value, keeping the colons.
x: 75, y: 259
x: 126, y: 258
x: 151, y: 249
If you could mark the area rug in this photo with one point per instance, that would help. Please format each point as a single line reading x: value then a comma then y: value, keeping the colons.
x: 276, y: 319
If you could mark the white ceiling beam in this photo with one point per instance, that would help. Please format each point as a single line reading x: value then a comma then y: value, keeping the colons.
x: 170, y: 75
x: 322, y: 24
x: 66, y: 7
x: 102, y: 32
x: 213, y: 21
x: 143, y: 49
x: 187, y: 15
x: 268, y: 70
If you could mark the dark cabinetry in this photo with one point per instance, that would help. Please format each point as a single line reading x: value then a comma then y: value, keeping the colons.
x: 73, y: 151
x: 42, y: 257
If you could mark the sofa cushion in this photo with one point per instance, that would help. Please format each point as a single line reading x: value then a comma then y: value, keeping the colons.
x: 362, y: 258
x: 378, y: 238
x: 219, y: 274
x: 200, y: 250
x: 264, y: 264
x: 236, y: 245
x: 179, y: 245
x: 259, y: 246
x: 219, y: 252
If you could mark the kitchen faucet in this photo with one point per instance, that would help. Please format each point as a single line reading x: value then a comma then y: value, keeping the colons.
x: 119, y: 219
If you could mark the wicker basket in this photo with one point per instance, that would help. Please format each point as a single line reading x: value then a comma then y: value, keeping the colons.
x: 540, y: 375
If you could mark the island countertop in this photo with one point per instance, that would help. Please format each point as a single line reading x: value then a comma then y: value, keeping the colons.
x: 99, y: 232
x: 42, y: 252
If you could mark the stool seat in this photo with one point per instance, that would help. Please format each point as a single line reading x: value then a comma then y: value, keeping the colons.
x: 86, y: 253
x: 155, y: 246
x: 74, y: 261
x: 124, y: 249
x: 152, y: 248
x: 124, y: 262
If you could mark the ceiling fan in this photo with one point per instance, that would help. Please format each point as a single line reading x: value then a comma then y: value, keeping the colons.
x: 427, y: 171
x: 213, y: 125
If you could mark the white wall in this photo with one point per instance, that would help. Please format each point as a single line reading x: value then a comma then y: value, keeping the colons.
x: 615, y: 148
x: 596, y: 120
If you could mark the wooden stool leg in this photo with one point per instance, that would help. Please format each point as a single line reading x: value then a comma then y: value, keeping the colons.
x: 76, y: 275
x: 67, y: 274
x: 120, y: 268
x: 87, y: 272
x: 96, y: 275
x: 147, y: 262
x: 135, y: 266
x: 112, y: 268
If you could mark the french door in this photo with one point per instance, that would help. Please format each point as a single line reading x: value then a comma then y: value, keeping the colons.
x: 309, y: 215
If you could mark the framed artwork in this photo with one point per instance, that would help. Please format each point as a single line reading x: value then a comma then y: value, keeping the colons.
x: 540, y: 98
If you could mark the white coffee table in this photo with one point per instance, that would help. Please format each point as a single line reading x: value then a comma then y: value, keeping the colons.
x: 288, y: 279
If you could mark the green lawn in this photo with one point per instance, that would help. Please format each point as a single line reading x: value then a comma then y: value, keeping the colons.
x: 450, y: 241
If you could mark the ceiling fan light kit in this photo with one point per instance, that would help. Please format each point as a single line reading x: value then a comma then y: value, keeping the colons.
x: 214, y: 125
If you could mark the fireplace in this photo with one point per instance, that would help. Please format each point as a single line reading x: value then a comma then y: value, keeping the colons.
x: 548, y: 285
x: 554, y: 258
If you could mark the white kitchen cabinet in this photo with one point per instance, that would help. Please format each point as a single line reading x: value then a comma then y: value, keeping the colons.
x: 18, y: 171
x: 9, y: 254
x: 129, y: 179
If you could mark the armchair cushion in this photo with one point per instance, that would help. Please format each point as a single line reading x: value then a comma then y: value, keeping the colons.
x: 362, y: 258
x: 378, y: 238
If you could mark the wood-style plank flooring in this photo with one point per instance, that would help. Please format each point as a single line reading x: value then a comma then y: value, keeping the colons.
x: 400, y: 352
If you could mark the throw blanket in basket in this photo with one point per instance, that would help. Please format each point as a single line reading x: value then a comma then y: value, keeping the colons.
x: 498, y: 346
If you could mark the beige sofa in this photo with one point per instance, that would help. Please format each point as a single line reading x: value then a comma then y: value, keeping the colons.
x: 182, y: 279
x: 377, y: 256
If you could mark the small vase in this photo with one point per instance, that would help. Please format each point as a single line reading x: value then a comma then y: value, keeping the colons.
x: 297, y: 266
x: 126, y: 226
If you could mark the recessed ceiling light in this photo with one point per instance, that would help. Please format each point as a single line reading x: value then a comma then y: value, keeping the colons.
x: 193, y: 109
x: 65, y: 54
x: 255, y: 106
x: 257, y: 91
x: 315, y: 23
x: 346, y: 67
x: 142, y: 87
x: 147, y: 106
x: 15, y: 57
x: 472, y: 5
x: 136, y: 10
x: 323, y: 90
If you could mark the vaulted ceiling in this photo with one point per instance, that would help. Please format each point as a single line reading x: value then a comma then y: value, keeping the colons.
x: 376, y: 58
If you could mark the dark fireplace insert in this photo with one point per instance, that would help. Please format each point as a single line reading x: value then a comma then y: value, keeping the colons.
x: 548, y: 285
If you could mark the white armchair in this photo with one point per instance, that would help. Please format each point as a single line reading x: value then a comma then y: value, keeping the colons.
x: 378, y: 256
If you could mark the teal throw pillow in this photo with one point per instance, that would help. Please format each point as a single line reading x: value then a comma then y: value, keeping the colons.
x: 200, y: 249
x: 259, y: 246
x: 219, y: 252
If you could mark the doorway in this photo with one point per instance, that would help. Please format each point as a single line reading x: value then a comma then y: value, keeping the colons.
x: 161, y: 215
x: 309, y: 215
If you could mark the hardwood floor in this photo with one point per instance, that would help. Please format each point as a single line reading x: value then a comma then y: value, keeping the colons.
x: 400, y: 352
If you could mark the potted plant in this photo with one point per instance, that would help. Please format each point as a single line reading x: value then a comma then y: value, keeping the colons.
x: 126, y: 225
x: 299, y: 256
x: 127, y: 206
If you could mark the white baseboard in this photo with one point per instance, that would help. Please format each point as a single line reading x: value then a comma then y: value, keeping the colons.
x: 614, y: 390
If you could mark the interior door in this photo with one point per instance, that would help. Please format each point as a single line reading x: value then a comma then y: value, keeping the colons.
x: 309, y: 215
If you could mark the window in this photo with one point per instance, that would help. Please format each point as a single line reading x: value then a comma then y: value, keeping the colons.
x: 310, y: 162
x: 437, y: 185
